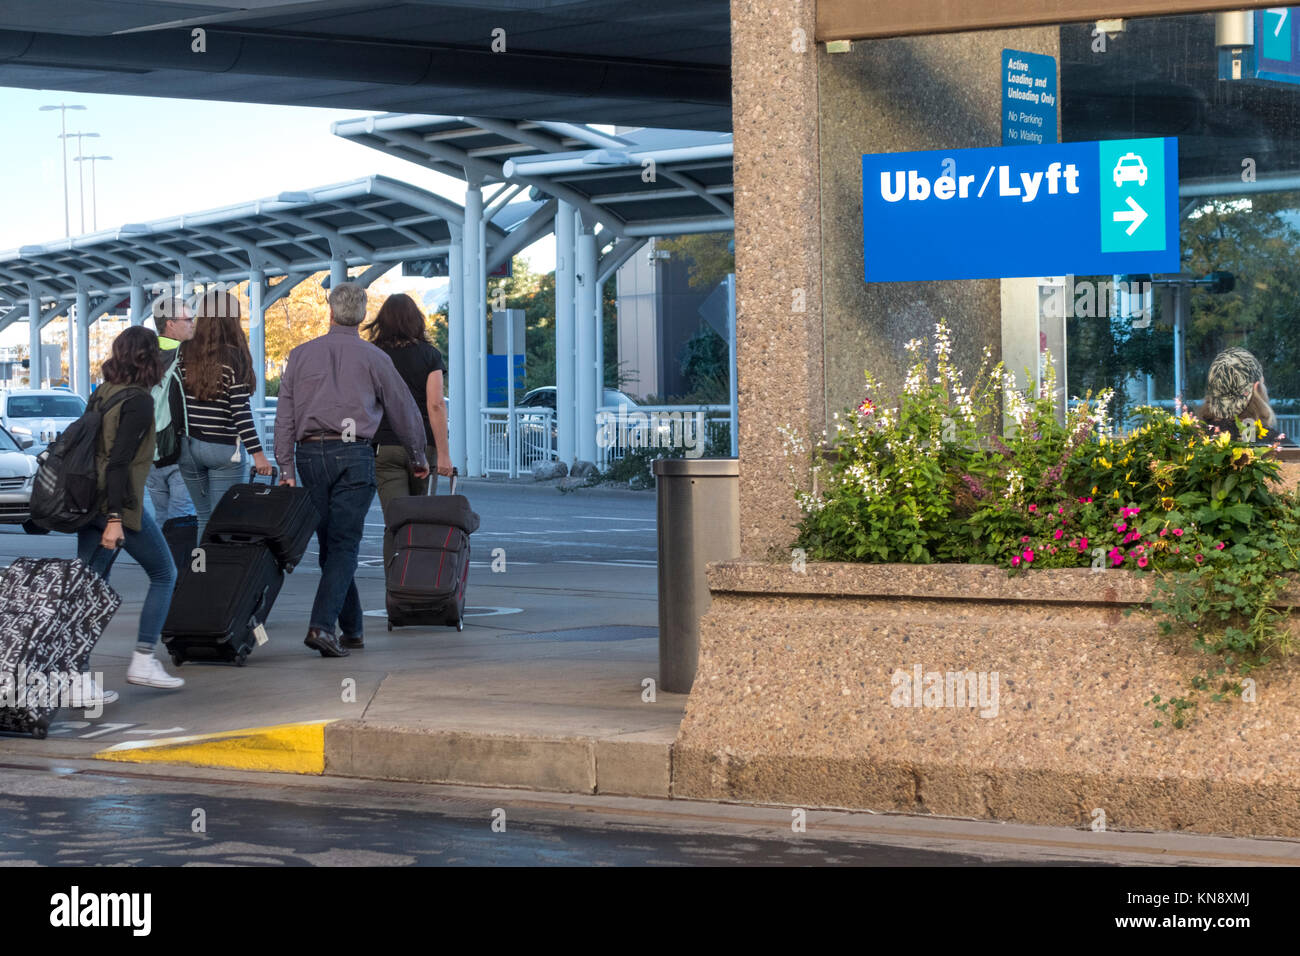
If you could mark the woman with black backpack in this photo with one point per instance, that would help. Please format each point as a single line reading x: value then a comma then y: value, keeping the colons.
x: 123, y: 460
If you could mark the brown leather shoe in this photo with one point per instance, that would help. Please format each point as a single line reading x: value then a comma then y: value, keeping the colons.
x: 325, y: 642
x: 354, y: 641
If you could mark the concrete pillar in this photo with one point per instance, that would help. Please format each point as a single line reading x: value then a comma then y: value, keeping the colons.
x: 34, y: 339
x: 565, y: 273
x: 585, y: 324
x: 455, y: 358
x: 137, y: 304
x: 472, y: 358
x: 79, y: 346
x: 257, y: 333
x: 338, y: 272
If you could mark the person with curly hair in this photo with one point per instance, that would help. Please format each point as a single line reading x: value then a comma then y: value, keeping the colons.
x: 217, y: 375
x: 123, y: 460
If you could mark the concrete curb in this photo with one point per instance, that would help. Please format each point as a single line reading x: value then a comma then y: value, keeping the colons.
x: 630, y: 765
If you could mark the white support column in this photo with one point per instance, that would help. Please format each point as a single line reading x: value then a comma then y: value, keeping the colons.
x: 338, y: 273
x: 472, y: 357
x: 34, y: 339
x: 79, y: 346
x: 458, y: 419
x: 137, y: 304
x: 585, y: 379
x: 257, y: 333
x: 565, y: 272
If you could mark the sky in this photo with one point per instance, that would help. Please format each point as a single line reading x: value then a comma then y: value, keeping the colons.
x: 174, y: 156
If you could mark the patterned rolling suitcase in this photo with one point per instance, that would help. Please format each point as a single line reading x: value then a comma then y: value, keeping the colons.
x: 426, y: 579
x: 52, y: 611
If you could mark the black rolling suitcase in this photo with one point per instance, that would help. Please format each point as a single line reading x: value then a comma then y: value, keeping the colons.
x: 426, y: 580
x: 279, y: 515
x: 216, y: 613
x: 52, y: 611
x: 257, y: 532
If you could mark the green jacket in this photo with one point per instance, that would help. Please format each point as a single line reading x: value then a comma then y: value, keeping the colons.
x: 133, y: 506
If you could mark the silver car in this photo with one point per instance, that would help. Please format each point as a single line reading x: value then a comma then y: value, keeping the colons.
x: 17, y: 469
x: 36, y: 416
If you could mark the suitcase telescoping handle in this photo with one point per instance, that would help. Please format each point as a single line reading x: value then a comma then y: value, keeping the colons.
x: 433, y: 476
x: 252, y: 475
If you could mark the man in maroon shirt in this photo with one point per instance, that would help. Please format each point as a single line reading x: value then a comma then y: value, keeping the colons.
x: 333, y: 395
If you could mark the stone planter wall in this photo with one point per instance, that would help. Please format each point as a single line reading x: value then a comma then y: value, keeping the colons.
x: 794, y: 702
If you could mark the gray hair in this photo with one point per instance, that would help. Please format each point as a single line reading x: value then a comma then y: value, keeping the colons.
x: 347, y: 304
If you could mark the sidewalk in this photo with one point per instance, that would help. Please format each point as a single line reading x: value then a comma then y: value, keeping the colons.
x: 543, y: 688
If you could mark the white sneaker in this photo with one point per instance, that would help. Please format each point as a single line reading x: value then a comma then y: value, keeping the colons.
x: 148, y: 670
x: 87, y: 694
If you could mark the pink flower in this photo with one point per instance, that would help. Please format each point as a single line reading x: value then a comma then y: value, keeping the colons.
x: 1085, y: 501
x: 1028, y: 556
x: 1033, y: 509
x: 1015, y: 561
x: 1025, y: 539
x: 1163, y: 532
x: 1142, y: 562
x: 1121, y: 526
x: 1200, y: 558
x: 1219, y: 546
x: 1060, y: 532
x: 1116, y: 556
x: 1177, y: 551
x: 1178, y: 532
x: 1060, y: 511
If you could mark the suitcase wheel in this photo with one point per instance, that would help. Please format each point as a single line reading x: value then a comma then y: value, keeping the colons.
x: 40, y: 729
x: 241, y: 658
x: 390, y: 625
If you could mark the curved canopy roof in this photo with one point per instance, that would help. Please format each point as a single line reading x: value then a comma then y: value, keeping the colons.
x: 643, y: 182
x: 362, y: 222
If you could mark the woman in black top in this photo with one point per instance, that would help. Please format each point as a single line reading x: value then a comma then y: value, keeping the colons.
x: 399, y: 330
x: 124, y: 458
x: 1235, y: 391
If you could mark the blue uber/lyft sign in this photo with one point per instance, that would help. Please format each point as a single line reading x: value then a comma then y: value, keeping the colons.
x: 1095, y: 208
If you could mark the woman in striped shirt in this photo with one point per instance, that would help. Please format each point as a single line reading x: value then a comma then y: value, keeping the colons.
x: 217, y: 374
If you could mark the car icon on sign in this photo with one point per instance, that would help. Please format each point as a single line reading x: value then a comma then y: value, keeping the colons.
x: 1130, y: 168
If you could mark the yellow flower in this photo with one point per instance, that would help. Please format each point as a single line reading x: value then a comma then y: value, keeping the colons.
x: 1167, y: 504
x: 1104, y: 463
x: 1186, y: 418
x: 1114, y: 494
x: 1094, y: 489
x: 1225, y: 439
x: 1188, y: 458
x: 1259, y: 427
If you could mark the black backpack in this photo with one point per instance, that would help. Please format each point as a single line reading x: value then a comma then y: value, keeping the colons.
x: 65, y: 493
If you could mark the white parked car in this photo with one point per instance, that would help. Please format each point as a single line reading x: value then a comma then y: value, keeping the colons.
x: 36, y: 416
x: 17, y: 469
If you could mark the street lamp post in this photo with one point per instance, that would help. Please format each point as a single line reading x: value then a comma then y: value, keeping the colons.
x: 81, y: 181
x: 63, y: 123
x: 94, y: 194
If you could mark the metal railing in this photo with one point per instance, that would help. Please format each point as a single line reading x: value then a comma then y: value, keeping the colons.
x: 624, y: 428
x: 531, y: 436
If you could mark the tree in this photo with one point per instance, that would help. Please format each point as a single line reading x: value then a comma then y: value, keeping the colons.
x: 710, y: 256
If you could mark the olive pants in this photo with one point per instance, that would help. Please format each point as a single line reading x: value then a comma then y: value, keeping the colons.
x: 395, y: 480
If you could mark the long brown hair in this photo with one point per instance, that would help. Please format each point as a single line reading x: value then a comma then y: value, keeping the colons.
x: 399, y: 322
x: 218, y: 340
x: 136, y: 359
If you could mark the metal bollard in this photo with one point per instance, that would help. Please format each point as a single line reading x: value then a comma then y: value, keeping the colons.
x: 699, y: 522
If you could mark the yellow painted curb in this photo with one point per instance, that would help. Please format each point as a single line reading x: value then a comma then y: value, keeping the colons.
x: 287, y: 748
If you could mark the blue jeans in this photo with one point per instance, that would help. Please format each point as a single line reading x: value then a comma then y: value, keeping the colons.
x: 149, y: 548
x: 340, y: 477
x: 209, y: 470
x: 167, y: 492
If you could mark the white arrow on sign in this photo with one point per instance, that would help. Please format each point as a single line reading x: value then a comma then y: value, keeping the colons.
x: 1134, y: 218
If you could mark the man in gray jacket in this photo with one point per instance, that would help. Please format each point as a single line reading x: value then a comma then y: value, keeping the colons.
x: 333, y: 395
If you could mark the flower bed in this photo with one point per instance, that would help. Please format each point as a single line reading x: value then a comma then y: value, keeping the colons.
x: 987, y: 474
